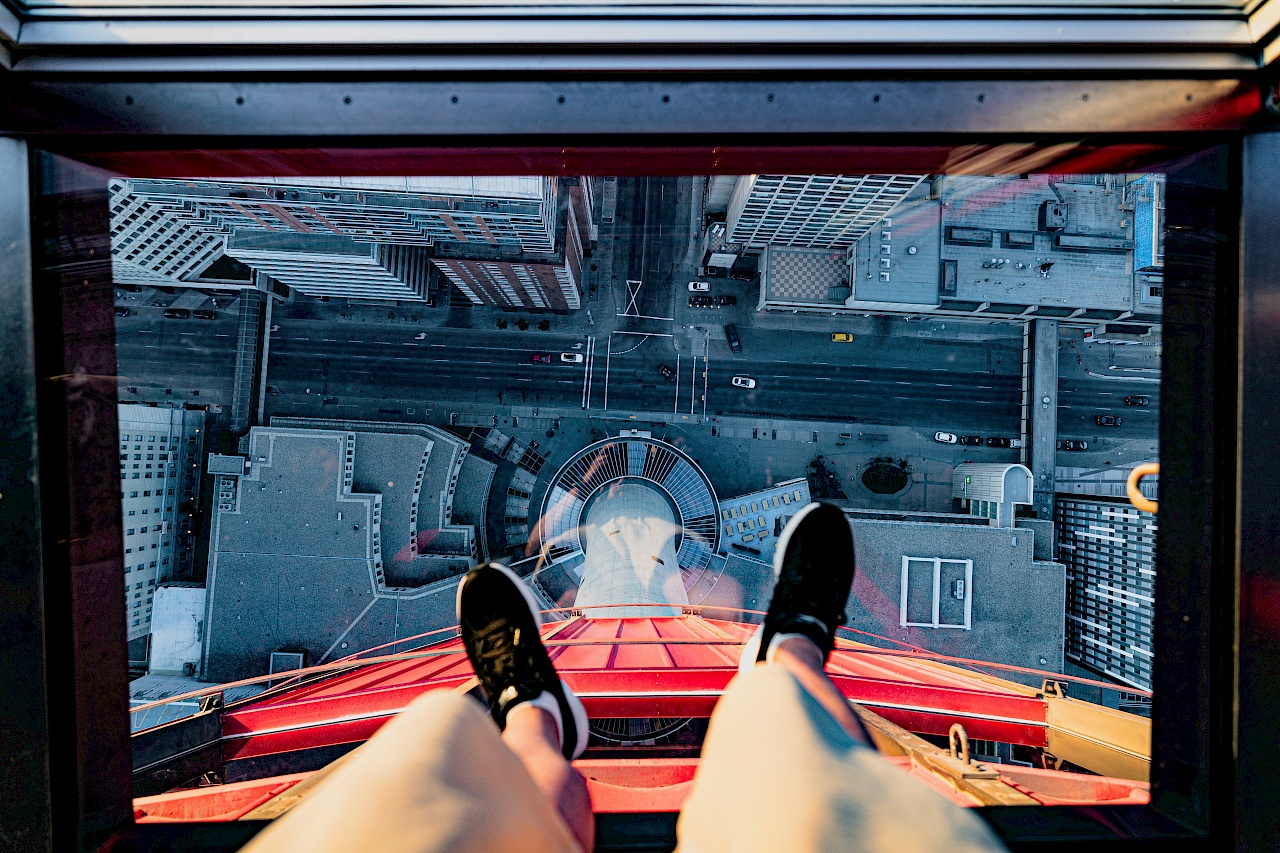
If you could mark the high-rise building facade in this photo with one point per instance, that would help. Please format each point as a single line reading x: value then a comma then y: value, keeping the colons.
x: 362, y: 238
x: 149, y: 246
x: 1108, y: 546
x: 815, y: 211
x: 335, y: 266
x: 160, y: 450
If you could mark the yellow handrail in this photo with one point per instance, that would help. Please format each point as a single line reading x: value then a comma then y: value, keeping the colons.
x: 1136, y: 497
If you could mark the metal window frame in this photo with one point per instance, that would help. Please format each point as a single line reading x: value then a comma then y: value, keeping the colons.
x: 74, y: 787
x: 937, y: 592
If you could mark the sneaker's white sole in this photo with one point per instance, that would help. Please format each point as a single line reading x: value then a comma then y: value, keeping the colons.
x: 515, y: 579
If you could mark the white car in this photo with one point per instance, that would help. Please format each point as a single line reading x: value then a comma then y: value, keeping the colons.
x: 699, y: 286
x: 743, y: 382
x: 571, y: 357
x: 945, y: 437
x: 421, y: 336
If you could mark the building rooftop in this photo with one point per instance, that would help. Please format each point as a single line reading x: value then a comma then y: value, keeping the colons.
x: 483, y: 186
x: 287, y: 571
x: 1013, y: 603
x: 750, y: 524
x: 811, y: 276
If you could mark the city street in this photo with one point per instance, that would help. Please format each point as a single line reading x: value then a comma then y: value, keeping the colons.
x: 182, y: 355
x: 313, y: 361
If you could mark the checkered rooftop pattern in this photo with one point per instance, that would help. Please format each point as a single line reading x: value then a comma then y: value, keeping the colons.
x: 804, y: 274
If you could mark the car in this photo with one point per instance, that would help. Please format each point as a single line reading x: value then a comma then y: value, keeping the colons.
x: 204, y: 314
x: 971, y: 440
x: 667, y: 373
x: 997, y: 441
x: 122, y: 311
x: 1075, y: 444
x: 702, y: 302
x: 743, y: 382
x: 177, y: 313
x: 273, y: 389
x: 1108, y: 420
x: 742, y: 275
x: 699, y: 286
x: 731, y: 335
x: 841, y: 338
x: 571, y: 358
x: 542, y: 358
x: 1137, y: 400
x: 275, y: 328
x: 421, y: 336
x: 726, y: 299
x: 945, y: 438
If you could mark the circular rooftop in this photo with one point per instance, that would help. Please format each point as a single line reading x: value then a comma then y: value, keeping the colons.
x: 631, y: 458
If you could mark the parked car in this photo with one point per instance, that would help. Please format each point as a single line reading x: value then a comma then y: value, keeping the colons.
x: 945, y: 437
x: 971, y: 440
x: 726, y: 299
x: 1137, y: 400
x: 204, y: 314
x: 122, y: 311
x: 702, y: 301
x: 1075, y: 444
x: 743, y: 382
x: 571, y: 358
x: 177, y: 313
x: 1108, y: 420
x: 699, y: 286
x: 542, y: 358
x: 666, y: 373
x: 742, y: 275
x: 731, y: 335
x: 997, y: 441
x: 841, y: 338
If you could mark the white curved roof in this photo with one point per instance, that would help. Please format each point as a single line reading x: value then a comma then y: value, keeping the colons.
x: 991, y: 481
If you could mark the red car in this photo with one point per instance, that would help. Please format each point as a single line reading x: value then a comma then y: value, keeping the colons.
x: 542, y: 358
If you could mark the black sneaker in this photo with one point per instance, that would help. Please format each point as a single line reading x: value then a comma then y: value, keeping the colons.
x: 814, y: 565
x: 499, y: 621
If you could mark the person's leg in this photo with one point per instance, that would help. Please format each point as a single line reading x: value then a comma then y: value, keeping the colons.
x: 542, y: 722
x: 800, y: 657
x: 786, y: 764
x: 531, y: 733
x: 436, y: 779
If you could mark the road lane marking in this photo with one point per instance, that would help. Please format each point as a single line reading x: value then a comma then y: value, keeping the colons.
x: 941, y: 385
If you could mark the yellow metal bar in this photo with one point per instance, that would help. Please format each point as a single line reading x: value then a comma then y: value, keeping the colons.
x: 1104, y: 740
x: 1131, y: 487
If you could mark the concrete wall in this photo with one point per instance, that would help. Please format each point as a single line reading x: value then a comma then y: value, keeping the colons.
x: 1018, y: 603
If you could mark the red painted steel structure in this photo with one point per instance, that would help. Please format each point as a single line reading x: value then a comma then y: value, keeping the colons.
x: 669, y: 667
x: 633, y: 668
